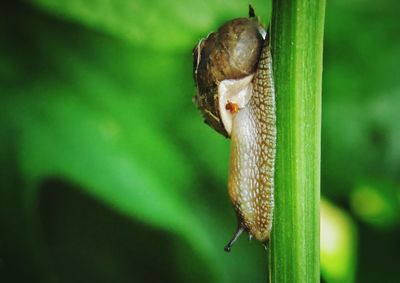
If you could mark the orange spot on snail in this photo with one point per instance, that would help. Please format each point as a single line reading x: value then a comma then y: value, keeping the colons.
x: 232, y: 107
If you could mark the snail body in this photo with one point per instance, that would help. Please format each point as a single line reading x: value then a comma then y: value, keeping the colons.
x: 235, y: 92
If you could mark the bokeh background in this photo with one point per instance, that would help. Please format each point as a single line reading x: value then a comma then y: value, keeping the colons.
x: 109, y: 175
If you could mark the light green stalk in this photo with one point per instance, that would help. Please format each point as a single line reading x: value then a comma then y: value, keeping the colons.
x: 297, y: 40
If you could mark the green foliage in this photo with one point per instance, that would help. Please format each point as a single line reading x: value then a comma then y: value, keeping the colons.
x: 108, y: 173
x: 161, y: 25
x: 110, y: 117
x: 338, y: 244
x: 360, y: 133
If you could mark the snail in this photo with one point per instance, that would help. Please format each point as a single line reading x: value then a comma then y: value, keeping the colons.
x: 232, y: 69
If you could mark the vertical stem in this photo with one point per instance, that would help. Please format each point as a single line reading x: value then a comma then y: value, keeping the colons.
x: 297, y: 39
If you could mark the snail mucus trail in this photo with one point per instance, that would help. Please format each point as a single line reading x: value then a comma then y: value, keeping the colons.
x: 232, y: 69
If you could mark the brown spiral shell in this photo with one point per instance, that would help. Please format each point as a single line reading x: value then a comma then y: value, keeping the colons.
x: 230, y: 53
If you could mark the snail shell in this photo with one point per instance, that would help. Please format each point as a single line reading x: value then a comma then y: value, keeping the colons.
x: 235, y: 93
x: 224, y: 60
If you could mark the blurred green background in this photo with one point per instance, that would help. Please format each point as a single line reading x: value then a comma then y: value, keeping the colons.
x: 109, y: 175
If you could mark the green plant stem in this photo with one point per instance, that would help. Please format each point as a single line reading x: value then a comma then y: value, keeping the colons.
x: 297, y: 40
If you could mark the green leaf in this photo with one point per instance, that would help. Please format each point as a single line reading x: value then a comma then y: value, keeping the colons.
x: 161, y: 25
x: 360, y: 96
x: 114, y: 122
x: 338, y: 244
x: 376, y: 203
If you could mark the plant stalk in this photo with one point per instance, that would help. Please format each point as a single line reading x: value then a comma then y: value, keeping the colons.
x: 297, y: 41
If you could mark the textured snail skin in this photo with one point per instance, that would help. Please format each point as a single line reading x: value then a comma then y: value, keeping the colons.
x: 252, y: 163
